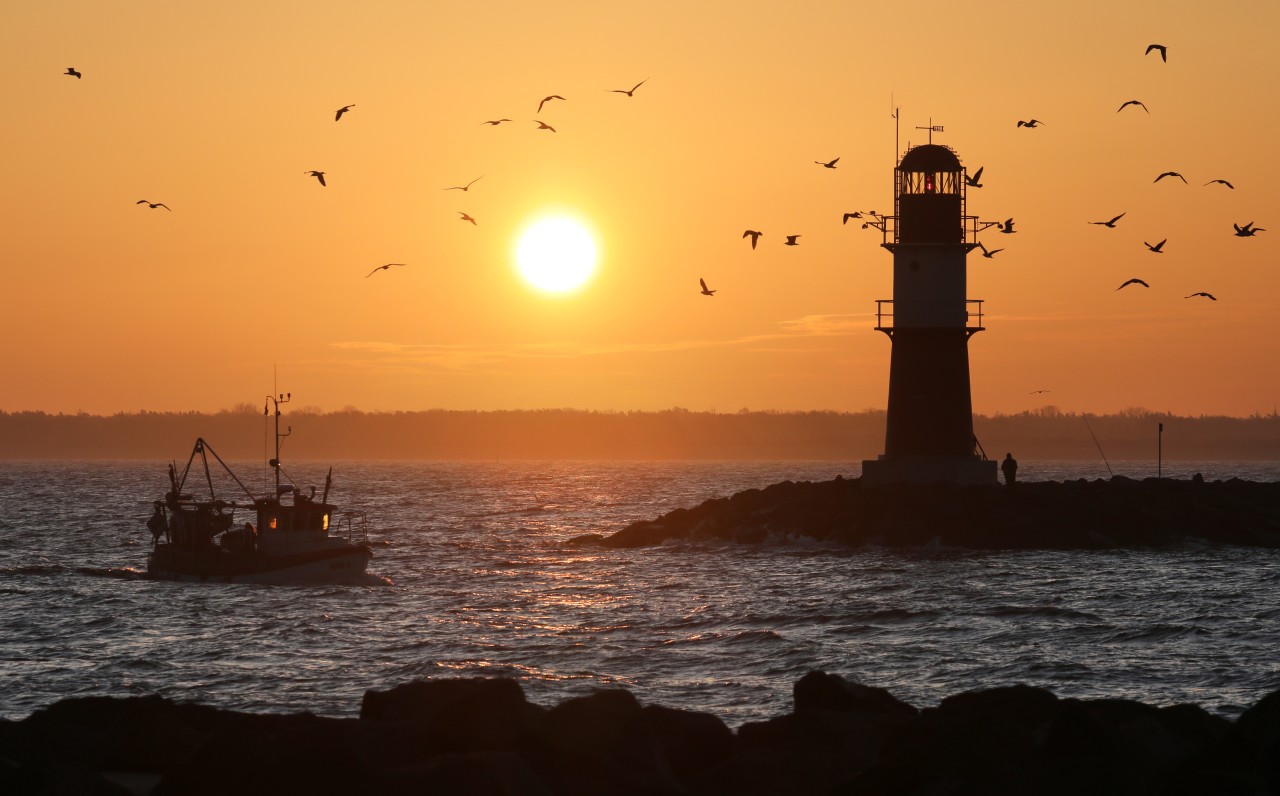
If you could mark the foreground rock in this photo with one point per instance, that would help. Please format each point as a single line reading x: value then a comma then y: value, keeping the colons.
x: 481, y: 736
x: 1120, y: 512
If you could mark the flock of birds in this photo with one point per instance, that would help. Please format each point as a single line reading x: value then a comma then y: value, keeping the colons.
x: 872, y: 218
x: 1246, y: 231
x: 875, y: 220
x: 463, y: 216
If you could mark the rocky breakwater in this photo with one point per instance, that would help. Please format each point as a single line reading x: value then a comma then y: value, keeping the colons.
x: 481, y: 736
x: 1119, y: 512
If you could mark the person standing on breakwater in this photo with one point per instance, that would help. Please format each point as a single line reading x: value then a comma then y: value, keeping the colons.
x: 1010, y: 469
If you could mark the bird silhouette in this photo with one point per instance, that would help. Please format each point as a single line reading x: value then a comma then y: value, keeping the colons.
x: 464, y: 187
x: 1170, y: 174
x: 830, y: 164
x: 754, y: 235
x: 495, y: 122
x: 623, y: 90
x: 974, y: 180
x: 1224, y: 182
x: 988, y: 253
x: 1209, y: 296
x: 153, y: 205
x: 71, y: 70
x: 1112, y: 223
x: 548, y: 98
x: 1247, y: 231
x: 1164, y: 56
x: 1033, y: 123
x: 380, y: 268
x: 466, y: 217
x: 338, y: 114
x: 1037, y: 392
x: 1156, y: 248
x: 1006, y: 227
x: 1133, y: 282
x: 545, y: 126
x: 319, y: 175
x: 848, y: 216
x: 791, y: 240
x: 1132, y: 102
x: 705, y: 291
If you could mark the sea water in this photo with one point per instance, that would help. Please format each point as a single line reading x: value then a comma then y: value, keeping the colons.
x: 473, y: 575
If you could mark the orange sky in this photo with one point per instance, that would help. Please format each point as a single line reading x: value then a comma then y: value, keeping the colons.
x: 218, y: 109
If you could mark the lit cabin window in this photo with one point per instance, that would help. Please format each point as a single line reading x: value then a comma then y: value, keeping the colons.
x: 271, y: 522
x: 324, y: 523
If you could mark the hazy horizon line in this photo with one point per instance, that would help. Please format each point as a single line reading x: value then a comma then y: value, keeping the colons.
x: 251, y: 409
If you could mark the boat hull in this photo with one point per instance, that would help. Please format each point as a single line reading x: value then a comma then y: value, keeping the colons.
x: 216, y: 566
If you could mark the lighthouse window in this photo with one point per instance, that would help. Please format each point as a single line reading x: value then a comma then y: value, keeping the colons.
x: 928, y: 184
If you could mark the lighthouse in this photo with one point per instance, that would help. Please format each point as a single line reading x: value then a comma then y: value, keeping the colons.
x: 929, y: 434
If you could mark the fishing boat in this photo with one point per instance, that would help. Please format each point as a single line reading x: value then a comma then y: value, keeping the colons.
x: 288, y: 536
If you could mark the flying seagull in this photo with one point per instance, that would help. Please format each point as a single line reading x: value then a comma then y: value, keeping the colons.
x: 1224, y: 182
x: 1209, y: 296
x: 153, y: 205
x: 338, y: 115
x: 545, y: 126
x: 1247, y: 231
x: 71, y: 70
x: 791, y: 240
x: 1006, y: 227
x: 1170, y: 174
x: 1133, y: 282
x: 495, y: 122
x: 830, y: 164
x: 464, y: 187
x: 319, y: 175
x: 1156, y: 248
x: 466, y: 217
x: 988, y: 253
x: 1037, y: 392
x: 1112, y: 223
x: 380, y: 268
x: 848, y: 216
x: 754, y: 235
x: 1164, y: 56
x: 550, y: 97
x: 1033, y: 123
x: 974, y: 180
x: 623, y: 90
x: 705, y: 291
x: 1132, y: 102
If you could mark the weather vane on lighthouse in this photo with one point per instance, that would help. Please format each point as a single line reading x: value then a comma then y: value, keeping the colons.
x: 932, y: 128
x: 929, y: 426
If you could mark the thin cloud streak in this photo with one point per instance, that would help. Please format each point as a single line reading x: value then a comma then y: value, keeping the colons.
x: 470, y: 355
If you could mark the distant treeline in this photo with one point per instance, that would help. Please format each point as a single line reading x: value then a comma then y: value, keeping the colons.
x: 243, y: 433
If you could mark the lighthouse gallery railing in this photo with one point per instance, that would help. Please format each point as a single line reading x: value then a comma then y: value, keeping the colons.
x: 973, y: 310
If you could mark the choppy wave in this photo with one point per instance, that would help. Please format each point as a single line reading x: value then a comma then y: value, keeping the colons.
x: 473, y: 575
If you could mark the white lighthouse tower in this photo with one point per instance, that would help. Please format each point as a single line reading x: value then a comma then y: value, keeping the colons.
x: 929, y: 436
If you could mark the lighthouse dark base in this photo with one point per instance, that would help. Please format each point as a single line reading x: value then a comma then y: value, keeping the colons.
x: 927, y: 470
x: 929, y: 431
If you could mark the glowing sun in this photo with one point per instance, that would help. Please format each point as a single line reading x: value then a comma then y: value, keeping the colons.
x: 556, y: 254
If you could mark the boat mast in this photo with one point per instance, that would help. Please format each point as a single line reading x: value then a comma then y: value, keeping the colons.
x: 275, y: 402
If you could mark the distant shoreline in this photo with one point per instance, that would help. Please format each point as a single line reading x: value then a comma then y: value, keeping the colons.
x: 569, y: 434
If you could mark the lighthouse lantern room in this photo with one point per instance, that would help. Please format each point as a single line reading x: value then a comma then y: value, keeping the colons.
x: 929, y: 432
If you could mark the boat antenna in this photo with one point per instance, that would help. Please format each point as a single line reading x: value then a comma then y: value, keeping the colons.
x: 274, y: 401
x: 1095, y: 442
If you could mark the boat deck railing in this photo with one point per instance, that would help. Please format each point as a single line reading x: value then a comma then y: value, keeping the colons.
x: 352, y: 526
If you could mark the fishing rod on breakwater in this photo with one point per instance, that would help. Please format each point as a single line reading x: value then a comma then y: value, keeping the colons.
x: 1095, y: 442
